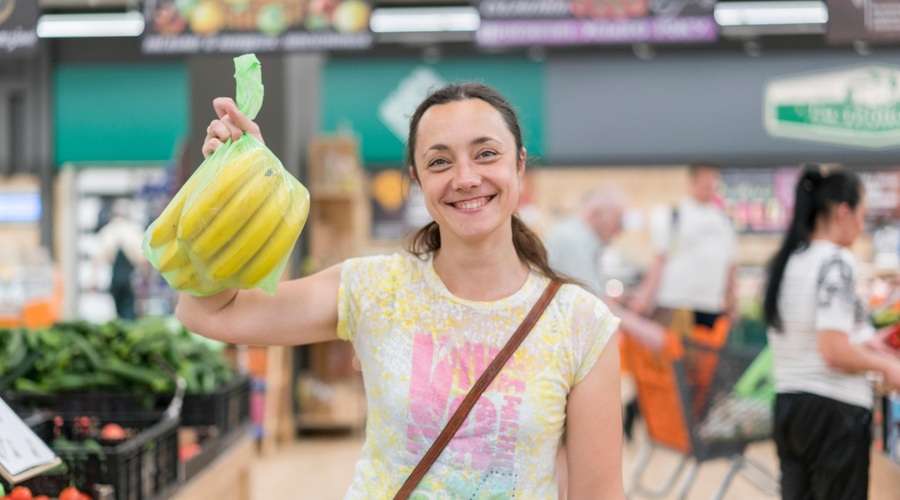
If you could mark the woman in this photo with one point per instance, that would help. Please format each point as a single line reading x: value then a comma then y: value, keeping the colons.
x: 823, y: 418
x: 425, y: 325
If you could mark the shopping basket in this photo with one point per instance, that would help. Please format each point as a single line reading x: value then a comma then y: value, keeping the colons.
x: 688, y: 397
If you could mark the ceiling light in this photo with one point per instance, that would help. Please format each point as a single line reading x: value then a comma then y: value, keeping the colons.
x: 770, y: 13
x: 90, y: 25
x: 424, y: 19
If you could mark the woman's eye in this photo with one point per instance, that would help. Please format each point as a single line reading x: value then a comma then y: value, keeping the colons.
x: 487, y: 154
x: 437, y: 162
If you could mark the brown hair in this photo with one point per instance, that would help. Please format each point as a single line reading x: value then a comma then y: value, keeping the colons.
x: 427, y: 240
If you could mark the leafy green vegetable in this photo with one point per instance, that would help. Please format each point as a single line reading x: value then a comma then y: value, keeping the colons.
x: 141, y: 357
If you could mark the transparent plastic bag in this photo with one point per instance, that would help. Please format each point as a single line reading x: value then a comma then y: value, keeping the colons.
x: 235, y: 221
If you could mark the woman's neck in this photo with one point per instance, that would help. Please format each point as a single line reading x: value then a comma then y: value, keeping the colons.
x: 481, y: 271
x: 827, y: 232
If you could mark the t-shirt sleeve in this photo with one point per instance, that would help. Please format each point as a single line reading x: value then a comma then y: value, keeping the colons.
x: 365, y: 283
x: 592, y: 326
x: 836, y: 295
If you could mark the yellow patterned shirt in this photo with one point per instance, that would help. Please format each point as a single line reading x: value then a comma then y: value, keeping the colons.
x: 422, y: 348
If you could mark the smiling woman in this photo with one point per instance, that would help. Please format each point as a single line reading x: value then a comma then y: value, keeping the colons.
x: 426, y: 324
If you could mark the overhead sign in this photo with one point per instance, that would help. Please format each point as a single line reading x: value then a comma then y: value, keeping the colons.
x: 243, y: 26
x: 863, y: 20
x: 18, y: 23
x: 857, y: 107
x: 587, y: 22
x: 397, y: 108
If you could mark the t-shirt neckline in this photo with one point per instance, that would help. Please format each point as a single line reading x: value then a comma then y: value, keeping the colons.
x: 435, y: 284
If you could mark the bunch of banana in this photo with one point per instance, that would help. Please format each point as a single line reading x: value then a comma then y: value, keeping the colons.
x: 235, y: 231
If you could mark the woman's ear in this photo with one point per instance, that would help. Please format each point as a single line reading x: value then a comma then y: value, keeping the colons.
x: 412, y: 174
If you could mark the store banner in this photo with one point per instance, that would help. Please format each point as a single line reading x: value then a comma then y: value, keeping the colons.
x: 863, y: 20
x: 243, y: 26
x: 594, y: 22
x: 18, y: 23
x: 857, y: 107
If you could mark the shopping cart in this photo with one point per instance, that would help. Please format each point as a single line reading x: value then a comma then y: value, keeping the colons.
x: 704, y: 399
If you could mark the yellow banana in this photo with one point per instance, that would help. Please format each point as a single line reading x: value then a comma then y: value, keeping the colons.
x: 279, y: 245
x: 234, y: 175
x: 170, y: 257
x: 166, y: 225
x: 258, y: 230
x: 236, y: 212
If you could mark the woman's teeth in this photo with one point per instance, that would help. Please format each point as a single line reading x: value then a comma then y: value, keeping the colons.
x: 470, y: 204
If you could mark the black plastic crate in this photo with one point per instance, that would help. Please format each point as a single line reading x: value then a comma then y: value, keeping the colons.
x: 112, y: 406
x: 227, y: 408
x: 142, y: 467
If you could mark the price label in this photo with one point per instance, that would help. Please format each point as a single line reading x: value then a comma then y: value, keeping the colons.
x: 22, y: 453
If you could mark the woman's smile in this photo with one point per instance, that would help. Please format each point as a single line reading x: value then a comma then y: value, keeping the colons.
x: 472, y: 204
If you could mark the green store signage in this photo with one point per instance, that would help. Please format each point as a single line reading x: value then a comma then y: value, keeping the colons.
x: 857, y: 107
x: 375, y: 99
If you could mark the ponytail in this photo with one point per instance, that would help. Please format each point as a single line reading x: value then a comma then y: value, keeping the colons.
x: 528, y: 245
x: 816, y: 193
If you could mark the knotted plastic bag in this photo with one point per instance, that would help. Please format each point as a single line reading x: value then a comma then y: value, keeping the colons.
x: 235, y: 221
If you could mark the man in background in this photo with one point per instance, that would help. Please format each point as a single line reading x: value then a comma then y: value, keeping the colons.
x: 691, y: 280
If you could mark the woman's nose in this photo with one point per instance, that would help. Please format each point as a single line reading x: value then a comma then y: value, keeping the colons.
x: 466, y: 176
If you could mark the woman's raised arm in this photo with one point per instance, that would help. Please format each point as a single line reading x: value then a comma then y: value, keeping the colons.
x: 302, y: 311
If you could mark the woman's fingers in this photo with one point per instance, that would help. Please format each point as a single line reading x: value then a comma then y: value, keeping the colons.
x: 242, y: 122
x: 228, y: 112
x: 210, y: 145
x: 231, y: 124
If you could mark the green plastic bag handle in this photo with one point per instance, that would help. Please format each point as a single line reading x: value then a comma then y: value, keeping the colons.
x: 250, y: 91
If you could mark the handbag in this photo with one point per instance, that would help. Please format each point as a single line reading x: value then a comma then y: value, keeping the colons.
x: 475, y: 392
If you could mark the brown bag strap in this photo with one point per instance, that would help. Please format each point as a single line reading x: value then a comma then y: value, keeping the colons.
x: 472, y: 397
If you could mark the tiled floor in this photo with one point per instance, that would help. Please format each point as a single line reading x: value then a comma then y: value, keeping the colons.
x: 320, y: 468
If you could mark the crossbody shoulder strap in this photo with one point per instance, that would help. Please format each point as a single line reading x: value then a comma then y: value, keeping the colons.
x: 472, y: 397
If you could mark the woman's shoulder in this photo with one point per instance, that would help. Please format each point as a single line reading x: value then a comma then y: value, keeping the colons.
x: 398, y: 264
x: 583, y: 304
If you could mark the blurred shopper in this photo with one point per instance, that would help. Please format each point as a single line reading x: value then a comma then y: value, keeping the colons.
x: 425, y: 324
x: 817, y: 332
x: 692, y: 277
x: 576, y: 247
x: 119, y: 247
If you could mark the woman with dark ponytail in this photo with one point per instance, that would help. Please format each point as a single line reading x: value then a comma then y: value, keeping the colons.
x: 426, y: 324
x: 822, y: 343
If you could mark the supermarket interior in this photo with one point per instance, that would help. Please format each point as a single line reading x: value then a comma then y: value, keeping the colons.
x: 106, y: 120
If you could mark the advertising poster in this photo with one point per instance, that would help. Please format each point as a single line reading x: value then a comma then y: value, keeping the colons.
x: 18, y: 23
x: 242, y: 26
x: 863, y: 20
x: 594, y: 22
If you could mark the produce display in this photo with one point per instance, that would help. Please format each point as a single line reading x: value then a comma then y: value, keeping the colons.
x: 141, y: 357
x: 235, y: 221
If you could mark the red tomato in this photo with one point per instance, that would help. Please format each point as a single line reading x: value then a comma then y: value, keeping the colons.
x: 70, y: 493
x: 20, y: 493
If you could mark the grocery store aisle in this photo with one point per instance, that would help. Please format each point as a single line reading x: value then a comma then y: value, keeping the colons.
x: 320, y: 468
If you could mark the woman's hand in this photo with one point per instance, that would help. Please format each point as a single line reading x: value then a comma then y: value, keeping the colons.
x: 231, y: 124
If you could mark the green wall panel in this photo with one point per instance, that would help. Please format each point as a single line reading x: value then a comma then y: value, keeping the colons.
x: 121, y: 112
x: 354, y: 89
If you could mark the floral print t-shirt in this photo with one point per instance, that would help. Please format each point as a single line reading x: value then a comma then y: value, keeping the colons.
x: 421, y: 349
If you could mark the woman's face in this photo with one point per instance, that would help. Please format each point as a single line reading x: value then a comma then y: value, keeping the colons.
x: 852, y: 221
x: 468, y: 168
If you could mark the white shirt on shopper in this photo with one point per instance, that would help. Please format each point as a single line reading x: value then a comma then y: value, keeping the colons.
x: 699, y: 245
x: 818, y: 292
